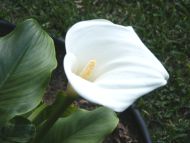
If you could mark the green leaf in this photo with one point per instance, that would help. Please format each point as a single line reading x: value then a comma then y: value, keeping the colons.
x: 27, y: 58
x: 18, y: 130
x: 83, y: 127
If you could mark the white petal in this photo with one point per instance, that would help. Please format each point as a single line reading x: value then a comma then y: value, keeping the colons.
x: 125, y: 70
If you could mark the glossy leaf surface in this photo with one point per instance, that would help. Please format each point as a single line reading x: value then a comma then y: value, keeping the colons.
x: 27, y: 58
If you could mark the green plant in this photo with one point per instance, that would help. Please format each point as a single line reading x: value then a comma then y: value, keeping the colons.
x: 27, y: 58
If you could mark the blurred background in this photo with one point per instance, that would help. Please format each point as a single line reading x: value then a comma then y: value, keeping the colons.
x: 164, y: 27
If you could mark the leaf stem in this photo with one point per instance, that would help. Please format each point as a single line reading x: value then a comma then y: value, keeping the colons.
x: 64, y: 102
x: 35, y: 114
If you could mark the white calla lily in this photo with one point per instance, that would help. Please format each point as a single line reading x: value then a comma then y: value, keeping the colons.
x: 121, y: 67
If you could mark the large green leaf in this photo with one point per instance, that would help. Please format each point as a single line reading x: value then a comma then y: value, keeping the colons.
x: 27, y: 58
x: 83, y: 127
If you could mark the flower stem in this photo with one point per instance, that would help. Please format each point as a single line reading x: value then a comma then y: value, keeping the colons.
x: 63, y: 101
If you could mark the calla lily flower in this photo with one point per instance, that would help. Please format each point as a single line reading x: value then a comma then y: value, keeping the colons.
x: 109, y: 65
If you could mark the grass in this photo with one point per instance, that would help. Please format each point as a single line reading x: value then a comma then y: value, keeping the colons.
x: 163, y: 25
